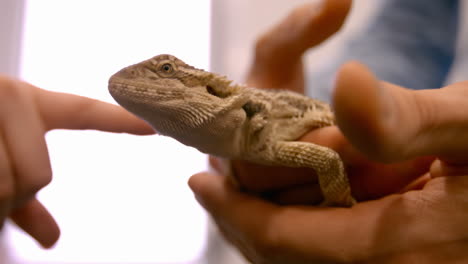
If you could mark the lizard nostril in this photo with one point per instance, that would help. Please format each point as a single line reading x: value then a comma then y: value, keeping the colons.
x: 131, y: 73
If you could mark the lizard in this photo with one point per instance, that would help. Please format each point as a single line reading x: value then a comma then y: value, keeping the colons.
x: 213, y: 114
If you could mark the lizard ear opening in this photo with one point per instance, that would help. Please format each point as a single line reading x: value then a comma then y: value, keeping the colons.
x: 211, y: 90
x: 251, y: 109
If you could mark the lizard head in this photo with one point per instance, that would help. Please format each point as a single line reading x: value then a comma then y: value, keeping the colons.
x: 171, y: 95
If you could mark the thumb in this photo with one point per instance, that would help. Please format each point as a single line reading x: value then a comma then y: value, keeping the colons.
x: 391, y: 123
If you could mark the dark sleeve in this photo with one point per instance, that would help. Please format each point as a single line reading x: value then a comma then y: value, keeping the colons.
x: 409, y: 42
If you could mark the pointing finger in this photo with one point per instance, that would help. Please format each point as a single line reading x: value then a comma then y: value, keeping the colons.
x: 66, y: 111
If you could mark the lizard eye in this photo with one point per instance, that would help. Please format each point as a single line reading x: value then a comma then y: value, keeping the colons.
x: 167, y: 68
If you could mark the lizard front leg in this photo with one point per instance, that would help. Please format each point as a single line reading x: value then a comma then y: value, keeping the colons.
x: 327, y: 164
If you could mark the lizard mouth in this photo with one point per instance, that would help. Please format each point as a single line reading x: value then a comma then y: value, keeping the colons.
x: 117, y: 88
x: 139, y: 91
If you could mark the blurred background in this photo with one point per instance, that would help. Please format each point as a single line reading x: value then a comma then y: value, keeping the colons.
x: 122, y: 198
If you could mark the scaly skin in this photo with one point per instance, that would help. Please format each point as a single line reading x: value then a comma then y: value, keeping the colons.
x: 207, y: 111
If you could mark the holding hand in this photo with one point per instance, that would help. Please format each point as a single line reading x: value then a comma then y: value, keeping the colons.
x: 388, y: 136
x: 26, y: 114
x: 425, y: 225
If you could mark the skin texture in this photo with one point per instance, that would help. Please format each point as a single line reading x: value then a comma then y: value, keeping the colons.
x: 406, y: 163
x: 26, y: 114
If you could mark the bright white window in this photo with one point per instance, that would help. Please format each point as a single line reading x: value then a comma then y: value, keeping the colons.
x: 118, y: 198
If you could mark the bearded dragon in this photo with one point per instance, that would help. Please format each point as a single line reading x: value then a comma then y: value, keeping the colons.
x: 211, y: 113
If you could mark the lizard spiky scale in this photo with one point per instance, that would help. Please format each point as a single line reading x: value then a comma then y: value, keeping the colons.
x: 209, y: 112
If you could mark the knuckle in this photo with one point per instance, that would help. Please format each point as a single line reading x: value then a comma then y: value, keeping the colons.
x: 42, y: 178
x: 267, y: 246
x: 265, y: 45
x: 9, y: 89
x: 45, y: 177
x: 260, y: 43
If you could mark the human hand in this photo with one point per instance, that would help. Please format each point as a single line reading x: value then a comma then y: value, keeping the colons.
x: 26, y: 114
x: 278, y: 64
x: 381, y: 122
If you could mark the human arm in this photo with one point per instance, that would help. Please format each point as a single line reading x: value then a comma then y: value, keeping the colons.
x: 26, y: 114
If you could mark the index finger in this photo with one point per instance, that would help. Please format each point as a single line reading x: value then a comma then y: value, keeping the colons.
x: 67, y: 111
